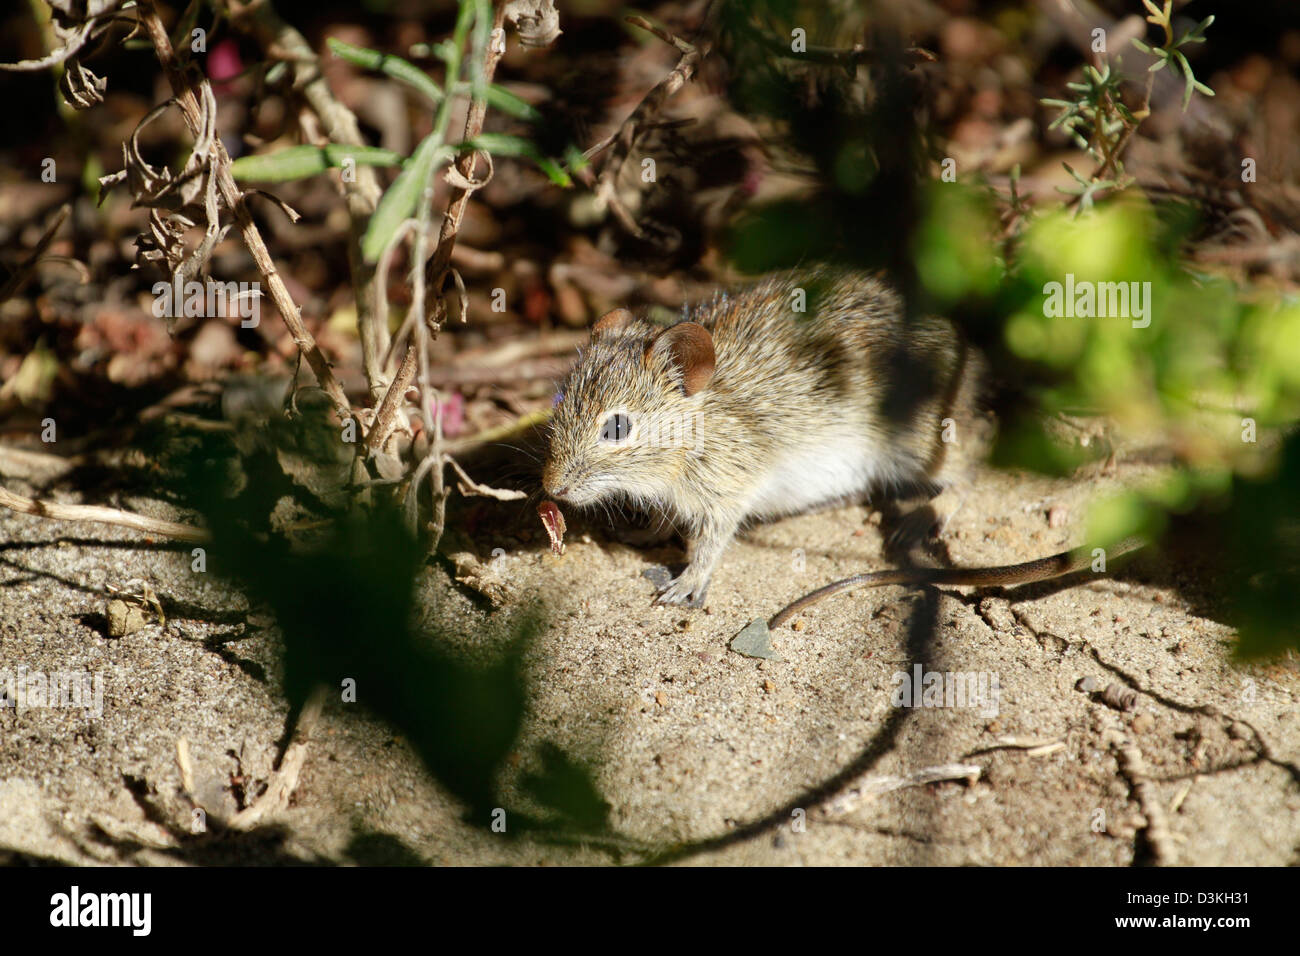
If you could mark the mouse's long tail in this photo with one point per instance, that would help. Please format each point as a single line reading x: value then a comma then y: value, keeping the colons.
x: 1041, y: 569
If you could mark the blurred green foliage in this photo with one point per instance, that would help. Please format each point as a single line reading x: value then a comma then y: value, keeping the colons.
x: 1205, y: 370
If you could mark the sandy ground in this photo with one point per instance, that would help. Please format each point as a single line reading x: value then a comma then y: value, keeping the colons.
x: 733, y: 760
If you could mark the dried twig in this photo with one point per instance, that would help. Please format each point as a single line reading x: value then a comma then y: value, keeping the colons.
x: 185, y: 764
x: 1032, y: 746
x: 839, y: 56
x: 18, y: 278
x: 511, y: 430
x: 1158, y: 836
x: 104, y: 515
x: 386, y: 417
x: 535, y: 370
x: 527, y: 361
x: 866, y: 789
x: 184, y: 86
x: 285, y: 778
x: 469, y: 486
x: 641, y: 118
x: 362, y: 190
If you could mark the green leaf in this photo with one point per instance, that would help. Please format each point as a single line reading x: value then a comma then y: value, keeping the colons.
x: 497, y: 97
x: 298, y: 162
x: 500, y: 98
x: 1187, y: 73
x: 400, y: 200
x: 500, y: 144
x: 1077, y: 178
x: 574, y: 159
x: 1196, y: 33
x: 394, y: 66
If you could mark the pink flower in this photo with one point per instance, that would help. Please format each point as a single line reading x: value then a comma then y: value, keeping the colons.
x: 224, y: 63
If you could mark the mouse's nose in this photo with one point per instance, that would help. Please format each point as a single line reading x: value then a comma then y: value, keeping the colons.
x: 551, y: 483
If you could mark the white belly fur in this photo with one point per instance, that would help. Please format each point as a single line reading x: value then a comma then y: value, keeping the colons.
x: 837, y: 469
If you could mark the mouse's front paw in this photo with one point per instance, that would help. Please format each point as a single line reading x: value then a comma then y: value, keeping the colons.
x: 687, y: 588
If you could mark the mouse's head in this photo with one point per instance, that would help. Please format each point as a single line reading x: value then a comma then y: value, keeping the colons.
x: 628, y: 413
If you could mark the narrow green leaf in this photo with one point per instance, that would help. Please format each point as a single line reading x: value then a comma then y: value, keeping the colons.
x: 500, y: 144
x: 298, y: 162
x: 394, y: 66
x: 500, y: 98
x: 573, y: 158
x: 1077, y: 178
x: 1190, y: 80
x: 400, y: 200
x: 554, y: 171
x: 1196, y: 33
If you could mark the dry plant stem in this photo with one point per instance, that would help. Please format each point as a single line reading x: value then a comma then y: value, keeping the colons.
x: 20, y: 463
x: 514, y: 429
x: 381, y: 284
x: 185, y: 764
x: 362, y: 193
x: 183, y: 87
x: 1158, y: 834
x: 1112, y: 157
x: 437, y: 270
x: 867, y: 788
x: 642, y: 117
x: 285, y: 778
x: 837, y: 56
x: 23, y: 272
x: 513, y: 362
x: 537, y: 370
x: 471, y: 487
x: 101, y: 514
x: 430, y: 401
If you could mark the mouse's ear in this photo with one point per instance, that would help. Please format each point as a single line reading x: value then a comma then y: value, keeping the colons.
x: 611, y: 323
x: 689, y: 347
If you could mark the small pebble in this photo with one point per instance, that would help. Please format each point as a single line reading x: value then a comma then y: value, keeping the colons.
x: 1087, y: 685
x: 1119, y: 696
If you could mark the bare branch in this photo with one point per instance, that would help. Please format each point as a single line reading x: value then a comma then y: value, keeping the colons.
x: 124, y: 519
x: 183, y: 86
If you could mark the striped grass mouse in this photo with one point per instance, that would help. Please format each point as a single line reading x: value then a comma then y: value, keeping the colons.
x: 806, y: 388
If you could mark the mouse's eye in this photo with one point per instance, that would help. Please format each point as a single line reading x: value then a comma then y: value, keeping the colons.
x: 616, y: 428
x: 559, y: 397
